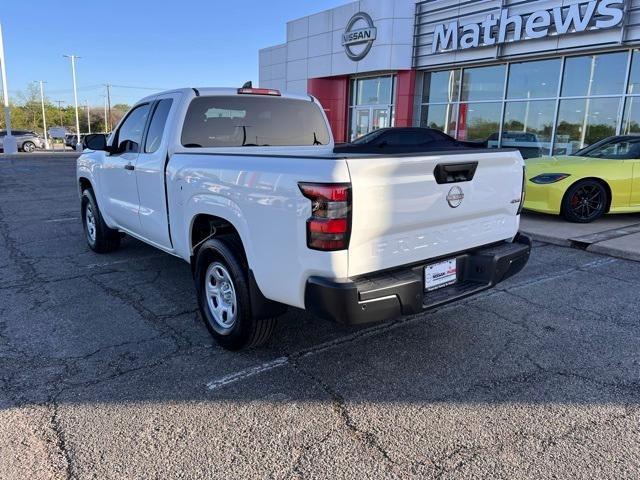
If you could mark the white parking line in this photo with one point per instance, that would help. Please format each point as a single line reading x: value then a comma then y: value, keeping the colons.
x: 247, y: 372
x: 316, y: 349
x: 55, y: 220
x: 126, y: 260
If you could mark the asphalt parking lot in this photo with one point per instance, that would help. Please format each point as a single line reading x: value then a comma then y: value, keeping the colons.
x: 107, y: 372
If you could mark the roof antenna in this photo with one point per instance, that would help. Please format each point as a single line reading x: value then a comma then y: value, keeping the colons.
x: 248, y: 84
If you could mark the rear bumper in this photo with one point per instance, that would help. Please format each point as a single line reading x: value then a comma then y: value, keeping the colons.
x: 391, y: 294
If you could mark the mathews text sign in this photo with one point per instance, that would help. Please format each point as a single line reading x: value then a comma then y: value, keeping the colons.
x: 502, y: 28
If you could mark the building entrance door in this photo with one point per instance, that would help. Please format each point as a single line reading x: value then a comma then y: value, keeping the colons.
x: 362, y: 122
x: 371, y: 104
x: 368, y: 119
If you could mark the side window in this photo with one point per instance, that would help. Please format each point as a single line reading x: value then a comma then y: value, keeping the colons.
x: 129, y: 135
x: 156, y: 127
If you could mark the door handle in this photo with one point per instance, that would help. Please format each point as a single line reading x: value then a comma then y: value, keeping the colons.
x: 129, y: 167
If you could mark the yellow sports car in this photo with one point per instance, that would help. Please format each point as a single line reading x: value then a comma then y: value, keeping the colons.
x: 602, y: 178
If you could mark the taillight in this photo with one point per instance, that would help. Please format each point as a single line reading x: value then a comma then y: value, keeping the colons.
x: 329, y: 226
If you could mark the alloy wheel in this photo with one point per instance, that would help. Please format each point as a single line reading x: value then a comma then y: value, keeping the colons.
x: 587, y: 202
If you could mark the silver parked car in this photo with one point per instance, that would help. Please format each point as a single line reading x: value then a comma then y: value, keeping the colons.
x: 27, y: 140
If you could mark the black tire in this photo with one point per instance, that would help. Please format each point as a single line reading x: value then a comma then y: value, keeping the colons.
x: 585, y: 201
x: 28, y: 147
x: 100, y: 238
x: 244, y: 331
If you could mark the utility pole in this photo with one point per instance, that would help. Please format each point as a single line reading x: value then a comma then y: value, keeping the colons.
x: 60, y: 102
x: 108, y: 85
x: 44, y: 117
x: 106, y: 128
x: 88, y: 117
x: 9, y: 143
x: 75, y: 95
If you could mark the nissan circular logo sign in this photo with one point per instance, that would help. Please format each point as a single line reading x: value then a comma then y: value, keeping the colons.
x: 358, y: 37
x: 455, y: 197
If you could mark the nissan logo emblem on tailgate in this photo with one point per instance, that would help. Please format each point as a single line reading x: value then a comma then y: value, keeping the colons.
x: 455, y: 197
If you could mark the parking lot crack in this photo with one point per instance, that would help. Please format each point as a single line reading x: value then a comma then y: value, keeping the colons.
x: 339, y: 407
x: 62, y: 456
x: 302, y: 451
x: 157, y: 321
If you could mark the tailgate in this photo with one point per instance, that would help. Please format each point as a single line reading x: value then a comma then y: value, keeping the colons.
x: 404, y: 213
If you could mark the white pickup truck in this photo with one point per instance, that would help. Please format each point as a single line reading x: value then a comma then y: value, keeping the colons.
x: 244, y: 184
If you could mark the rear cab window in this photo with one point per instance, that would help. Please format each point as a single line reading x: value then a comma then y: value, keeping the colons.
x: 156, y: 127
x: 253, y: 121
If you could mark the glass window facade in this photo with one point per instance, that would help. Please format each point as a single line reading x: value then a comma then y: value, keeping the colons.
x: 483, y: 83
x: 542, y: 107
x: 371, y: 104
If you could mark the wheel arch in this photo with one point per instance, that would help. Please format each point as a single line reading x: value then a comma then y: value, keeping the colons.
x: 602, y: 181
x: 83, y: 184
x: 204, y: 226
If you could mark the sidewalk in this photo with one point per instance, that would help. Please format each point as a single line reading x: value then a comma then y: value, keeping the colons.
x: 614, y: 235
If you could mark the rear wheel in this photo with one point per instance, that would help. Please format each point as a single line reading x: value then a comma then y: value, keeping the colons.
x: 585, y: 202
x: 223, y: 297
x: 100, y: 238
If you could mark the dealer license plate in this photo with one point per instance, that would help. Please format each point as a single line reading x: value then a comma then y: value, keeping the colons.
x: 440, y: 275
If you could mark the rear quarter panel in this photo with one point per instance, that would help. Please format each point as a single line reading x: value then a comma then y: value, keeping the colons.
x: 259, y: 196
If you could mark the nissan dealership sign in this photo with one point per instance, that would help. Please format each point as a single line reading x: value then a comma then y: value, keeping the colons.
x: 592, y: 15
x: 359, y: 36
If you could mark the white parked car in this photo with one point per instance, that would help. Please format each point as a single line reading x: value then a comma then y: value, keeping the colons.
x: 245, y: 186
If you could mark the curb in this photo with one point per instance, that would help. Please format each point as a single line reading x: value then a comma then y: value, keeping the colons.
x: 562, y: 242
x: 50, y: 155
x: 598, y: 248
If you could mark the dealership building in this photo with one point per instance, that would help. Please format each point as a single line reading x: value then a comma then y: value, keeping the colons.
x: 546, y: 76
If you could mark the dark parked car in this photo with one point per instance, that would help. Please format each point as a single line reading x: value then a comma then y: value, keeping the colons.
x: 528, y: 143
x: 404, y: 140
x: 71, y: 139
x: 27, y: 140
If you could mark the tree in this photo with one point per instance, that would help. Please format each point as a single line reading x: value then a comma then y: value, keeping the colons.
x: 26, y: 114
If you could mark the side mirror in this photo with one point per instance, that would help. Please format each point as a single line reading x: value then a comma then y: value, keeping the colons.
x: 95, y: 141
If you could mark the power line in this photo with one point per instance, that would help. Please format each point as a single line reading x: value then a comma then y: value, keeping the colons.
x: 138, y: 88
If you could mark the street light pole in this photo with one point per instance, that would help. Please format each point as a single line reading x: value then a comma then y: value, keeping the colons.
x: 9, y: 143
x: 75, y: 95
x: 44, y: 117
x: 88, y: 117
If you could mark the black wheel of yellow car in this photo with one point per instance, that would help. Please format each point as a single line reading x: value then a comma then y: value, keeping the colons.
x: 585, y: 201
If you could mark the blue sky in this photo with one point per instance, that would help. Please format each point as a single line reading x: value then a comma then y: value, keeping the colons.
x: 142, y: 43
